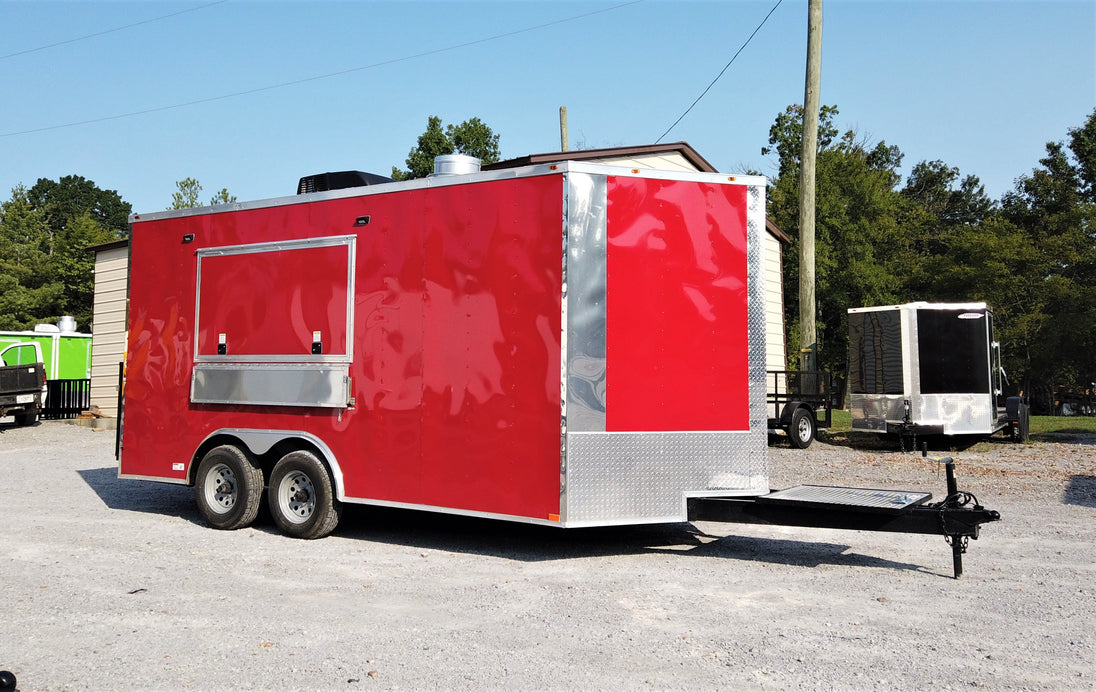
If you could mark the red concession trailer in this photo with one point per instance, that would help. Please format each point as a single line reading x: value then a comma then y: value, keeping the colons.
x: 571, y: 344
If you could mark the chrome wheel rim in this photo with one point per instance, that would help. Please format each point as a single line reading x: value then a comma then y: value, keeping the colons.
x: 804, y: 429
x: 296, y: 497
x: 221, y: 489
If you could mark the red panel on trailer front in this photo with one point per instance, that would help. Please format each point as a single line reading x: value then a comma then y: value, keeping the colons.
x: 456, y: 345
x: 676, y: 307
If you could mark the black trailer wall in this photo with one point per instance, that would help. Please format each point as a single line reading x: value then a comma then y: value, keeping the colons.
x: 875, y: 352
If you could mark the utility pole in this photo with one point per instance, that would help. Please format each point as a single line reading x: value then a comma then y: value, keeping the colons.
x: 564, y: 145
x: 808, y: 339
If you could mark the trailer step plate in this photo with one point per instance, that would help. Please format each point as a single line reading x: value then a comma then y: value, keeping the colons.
x: 884, y: 501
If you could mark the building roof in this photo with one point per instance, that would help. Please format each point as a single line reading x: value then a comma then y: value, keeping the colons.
x: 111, y: 245
x: 681, y: 148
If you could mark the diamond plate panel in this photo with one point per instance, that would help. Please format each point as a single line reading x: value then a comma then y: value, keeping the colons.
x: 863, y: 498
x: 636, y: 477
x: 755, y: 227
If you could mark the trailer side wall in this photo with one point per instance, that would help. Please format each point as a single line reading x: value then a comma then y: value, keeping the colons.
x: 455, y: 363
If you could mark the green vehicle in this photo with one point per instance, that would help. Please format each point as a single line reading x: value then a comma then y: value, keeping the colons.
x: 66, y: 354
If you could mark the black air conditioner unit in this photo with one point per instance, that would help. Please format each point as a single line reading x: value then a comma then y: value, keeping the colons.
x: 338, y: 180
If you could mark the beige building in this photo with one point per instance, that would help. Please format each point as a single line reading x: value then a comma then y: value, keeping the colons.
x: 108, y: 339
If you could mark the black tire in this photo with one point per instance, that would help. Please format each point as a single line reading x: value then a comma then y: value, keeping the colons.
x: 301, y: 496
x: 229, y: 488
x: 27, y: 417
x: 802, y: 428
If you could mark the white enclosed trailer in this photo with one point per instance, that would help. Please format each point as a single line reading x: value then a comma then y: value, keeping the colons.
x: 929, y: 369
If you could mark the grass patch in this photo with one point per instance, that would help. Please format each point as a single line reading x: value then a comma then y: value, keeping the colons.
x: 1063, y: 425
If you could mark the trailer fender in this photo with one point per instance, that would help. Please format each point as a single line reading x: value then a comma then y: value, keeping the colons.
x: 259, y: 442
x: 797, y: 419
x: 788, y: 411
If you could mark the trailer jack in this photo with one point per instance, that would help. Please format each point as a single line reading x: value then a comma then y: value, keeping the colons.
x: 958, y: 517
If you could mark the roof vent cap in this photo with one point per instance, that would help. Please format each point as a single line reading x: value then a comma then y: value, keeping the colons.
x: 456, y: 164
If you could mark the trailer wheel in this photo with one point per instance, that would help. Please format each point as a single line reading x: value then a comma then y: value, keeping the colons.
x: 1022, y: 430
x: 801, y: 429
x: 301, y: 496
x: 229, y: 488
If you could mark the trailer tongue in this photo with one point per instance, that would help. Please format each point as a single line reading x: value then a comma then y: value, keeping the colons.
x: 958, y: 517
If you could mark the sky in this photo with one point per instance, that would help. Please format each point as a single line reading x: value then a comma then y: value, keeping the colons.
x: 250, y: 96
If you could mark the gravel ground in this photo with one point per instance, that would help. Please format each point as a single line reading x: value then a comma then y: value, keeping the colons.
x: 112, y: 584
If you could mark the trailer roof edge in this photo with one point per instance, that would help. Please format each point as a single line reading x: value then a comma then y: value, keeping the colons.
x: 447, y: 180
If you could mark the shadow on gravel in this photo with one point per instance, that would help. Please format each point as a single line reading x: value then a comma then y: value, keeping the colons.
x: 534, y: 543
x: 509, y: 540
x: 12, y: 425
x: 936, y: 444
x: 1080, y: 491
x: 141, y: 496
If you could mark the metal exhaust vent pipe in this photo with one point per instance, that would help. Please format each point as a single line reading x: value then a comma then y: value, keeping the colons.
x: 455, y: 164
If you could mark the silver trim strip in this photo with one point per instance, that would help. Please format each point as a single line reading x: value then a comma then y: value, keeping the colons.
x: 451, y: 510
x: 157, y: 479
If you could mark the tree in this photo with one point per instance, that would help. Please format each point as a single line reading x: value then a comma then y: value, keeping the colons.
x: 189, y: 190
x: 471, y: 137
x: 73, y: 195
x: 50, y: 228
x: 29, y: 293
x: 74, y: 267
x: 1055, y: 210
x: 222, y: 197
x: 860, y: 250
x: 186, y: 196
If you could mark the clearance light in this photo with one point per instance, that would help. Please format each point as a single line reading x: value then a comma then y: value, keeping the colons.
x: 553, y: 517
x: 731, y: 178
x: 553, y: 167
x: 635, y: 170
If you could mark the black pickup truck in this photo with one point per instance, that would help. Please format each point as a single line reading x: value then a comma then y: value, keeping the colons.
x: 21, y: 391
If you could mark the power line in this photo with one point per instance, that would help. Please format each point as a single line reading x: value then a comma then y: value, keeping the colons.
x: 328, y: 75
x: 721, y: 71
x: 110, y: 31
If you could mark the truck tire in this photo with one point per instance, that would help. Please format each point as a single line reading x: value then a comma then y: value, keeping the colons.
x: 801, y: 429
x: 301, y: 496
x: 26, y: 417
x: 229, y: 488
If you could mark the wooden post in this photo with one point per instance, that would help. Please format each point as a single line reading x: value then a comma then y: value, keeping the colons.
x: 807, y: 331
x: 563, y: 143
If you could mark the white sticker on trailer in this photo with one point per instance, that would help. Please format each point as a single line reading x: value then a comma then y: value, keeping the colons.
x: 177, y: 466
